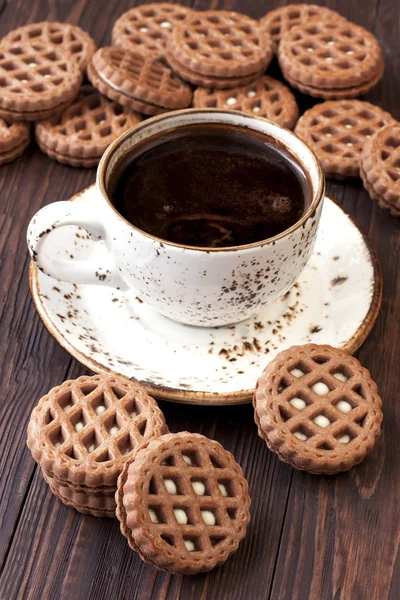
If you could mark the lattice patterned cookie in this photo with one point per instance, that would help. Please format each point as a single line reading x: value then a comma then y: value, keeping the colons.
x: 281, y: 20
x: 331, y: 58
x: 79, y: 136
x: 73, y: 42
x: 380, y: 167
x: 220, y: 44
x: 139, y: 82
x: 83, y: 431
x: 318, y: 409
x: 266, y: 97
x: 146, y: 28
x: 36, y: 81
x: 98, y: 505
x: 14, y: 138
x: 183, y: 503
x: 337, y: 131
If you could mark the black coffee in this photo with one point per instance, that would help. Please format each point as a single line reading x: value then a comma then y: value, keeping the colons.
x: 211, y: 185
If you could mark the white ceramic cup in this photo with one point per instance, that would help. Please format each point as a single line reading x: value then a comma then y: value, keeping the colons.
x: 197, y: 286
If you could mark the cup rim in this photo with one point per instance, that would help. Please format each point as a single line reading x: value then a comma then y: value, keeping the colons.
x: 113, y: 147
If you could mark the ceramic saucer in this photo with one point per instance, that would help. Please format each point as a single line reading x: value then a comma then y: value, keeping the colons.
x: 335, y: 300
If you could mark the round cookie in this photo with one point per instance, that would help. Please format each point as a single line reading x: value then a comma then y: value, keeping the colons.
x: 74, y: 42
x: 79, y: 136
x: 281, y: 20
x: 333, y: 55
x: 140, y: 82
x: 146, y: 28
x: 208, y: 81
x: 14, y: 138
x: 83, y: 431
x: 318, y: 409
x: 97, y: 505
x: 266, y: 97
x: 220, y: 44
x: 183, y: 503
x: 380, y: 167
x: 337, y: 130
x: 37, y: 80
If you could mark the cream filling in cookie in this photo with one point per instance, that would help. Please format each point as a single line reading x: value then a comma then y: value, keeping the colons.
x: 199, y: 488
x: 113, y: 431
x: 345, y: 439
x: 320, y: 388
x: 340, y: 376
x: 100, y: 409
x: 180, y: 516
x: 297, y: 373
x: 187, y: 459
x: 189, y: 545
x: 222, y: 489
x: 79, y: 426
x: 297, y: 403
x: 321, y: 421
x: 208, y: 517
x: 153, y: 516
x: 301, y: 436
x: 170, y: 486
x: 343, y: 406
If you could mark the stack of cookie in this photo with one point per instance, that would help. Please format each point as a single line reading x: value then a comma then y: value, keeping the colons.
x: 82, y: 433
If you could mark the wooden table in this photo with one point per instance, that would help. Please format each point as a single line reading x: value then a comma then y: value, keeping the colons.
x: 310, y: 537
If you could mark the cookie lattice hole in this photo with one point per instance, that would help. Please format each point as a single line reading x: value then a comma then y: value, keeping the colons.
x: 359, y: 389
x: 342, y: 373
x: 345, y: 436
x: 216, y: 463
x: 90, y: 441
x: 200, y: 487
x: 168, y: 539
x: 393, y: 175
x: 191, y: 458
x: 142, y: 428
x: 284, y: 414
x: 100, y: 404
x: 303, y: 433
x: 57, y: 437
x: 132, y: 409
x: 105, y: 456
x: 299, y: 369
x: 321, y: 387
x: 78, y: 420
x: 157, y: 515
x: 126, y: 444
x: 392, y: 142
x: 73, y: 453
x: 113, y: 424
x: 209, y: 517
x: 361, y: 420
x: 283, y: 384
x: 192, y: 544
x: 48, y: 417
x: 215, y: 540
x: 344, y: 405
x: 232, y: 513
x: 325, y: 446
x: 226, y: 488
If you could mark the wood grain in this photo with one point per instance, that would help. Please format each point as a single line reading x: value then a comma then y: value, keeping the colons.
x: 310, y: 537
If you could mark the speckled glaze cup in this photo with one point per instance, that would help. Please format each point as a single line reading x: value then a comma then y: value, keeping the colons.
x: 197, y: 286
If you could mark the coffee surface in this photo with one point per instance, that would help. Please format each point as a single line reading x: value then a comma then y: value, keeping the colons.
x: 212, y: 186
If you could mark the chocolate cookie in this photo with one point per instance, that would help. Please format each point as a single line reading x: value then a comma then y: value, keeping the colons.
x: 318, y: 409
x: 72, y: 41
x: 337, y: 131
x: 331, y: 58
x: 281, y: 20
x: 79, y: 136
x: 218, y: 45
x: 14, y: 138
x: 140, y: 82
x: 380, y: 167
x: 266, y: 97
x: 37, y: 80
x: 183, y: 503
x: 146, y: 28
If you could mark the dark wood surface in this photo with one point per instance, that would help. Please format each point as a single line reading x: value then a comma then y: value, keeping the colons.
x: 309, y: 537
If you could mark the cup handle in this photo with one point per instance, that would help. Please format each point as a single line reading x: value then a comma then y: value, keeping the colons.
x: 99, y: 269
